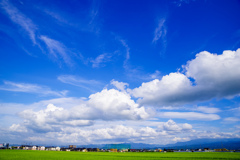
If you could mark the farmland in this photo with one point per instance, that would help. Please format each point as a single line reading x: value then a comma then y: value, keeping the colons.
x: 54, y: 155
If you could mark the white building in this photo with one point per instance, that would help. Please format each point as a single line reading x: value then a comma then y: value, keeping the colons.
x: 41, y: 148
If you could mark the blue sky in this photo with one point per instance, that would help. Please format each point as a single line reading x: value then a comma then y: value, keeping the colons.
x: 89, y: 72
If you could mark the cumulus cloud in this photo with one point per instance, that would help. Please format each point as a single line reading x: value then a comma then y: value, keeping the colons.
x: 116, y: 133
x: 113, y: 104
x: 119, y: 85
x: 213, y: 76
x: 49, y: 119
x: 105, y: 105
x: 219, y: 73
x: 155, y: 75
x: 31, y: 88
x: 18, y: 128
x: 171, y: 89
x: 104, y: 132
x: 172, y: 126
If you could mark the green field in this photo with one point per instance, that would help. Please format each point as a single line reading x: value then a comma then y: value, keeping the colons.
x: 60, y: 155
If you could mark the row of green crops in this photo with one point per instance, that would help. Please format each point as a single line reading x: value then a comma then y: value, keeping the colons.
x: 60, y: 155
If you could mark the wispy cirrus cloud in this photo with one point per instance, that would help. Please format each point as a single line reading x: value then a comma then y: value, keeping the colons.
x: 57, y: 50
x: 127, y: 57
x: 160, y: 31
x: 56, y: 16
x: 80, y: 82
x: 189, y: 116
x: 179, y: 3
x: 94, y: 12
x: 231, y: 119
x: 206, y: 109
x: 160, y: 34
x: 203, y: 109
x: 99, y: 60
x: 31, y: 88
x: 19, y: 18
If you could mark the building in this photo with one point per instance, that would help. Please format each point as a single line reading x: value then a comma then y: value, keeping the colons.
x: 34, y: 147
x: 72, y: 146
x: 26, y: 147
x: 85, y: 150
x: 50, y: 148
x: 158, y: 150
x: 4, y: 146
x: 41, y: 148
x: 113, y: 150
x: 221, y: 150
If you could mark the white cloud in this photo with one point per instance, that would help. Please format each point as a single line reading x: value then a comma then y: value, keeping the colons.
x: 106, y: 105
x: 124, y: 43
x: 232, y: 119
x: 50, y: 119
x: 103, y: 132
x: 80, y: 82
x: 177, y: 139
x: 160, y: 31
x: 31, y: 88
x: 127, y: 57
x: 57, y: 50
x: 207, y: 71
x: 113, y: 104
x: 116, y: 133
x: 189, y: 116
x: 179, y: 3
x: 17, y: 17
x: 94, y: 12
x: 171, y: 126
x: 119, y: 85
x: 206, y: 109
x: 168, y: 90
x: 56, y: 16
x: 212, y: 135
x: 17, y: 128
x: 186, y: 126
x: 102, y: 58
x: 155, y: 75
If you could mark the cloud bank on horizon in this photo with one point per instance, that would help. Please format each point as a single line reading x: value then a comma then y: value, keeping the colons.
x: 87, y: 75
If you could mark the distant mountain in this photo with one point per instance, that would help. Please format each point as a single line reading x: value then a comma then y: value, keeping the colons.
x: 229, y: 143
x: 233, y: 143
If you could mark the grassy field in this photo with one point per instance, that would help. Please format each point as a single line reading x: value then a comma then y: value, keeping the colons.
x: 60, y: 155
